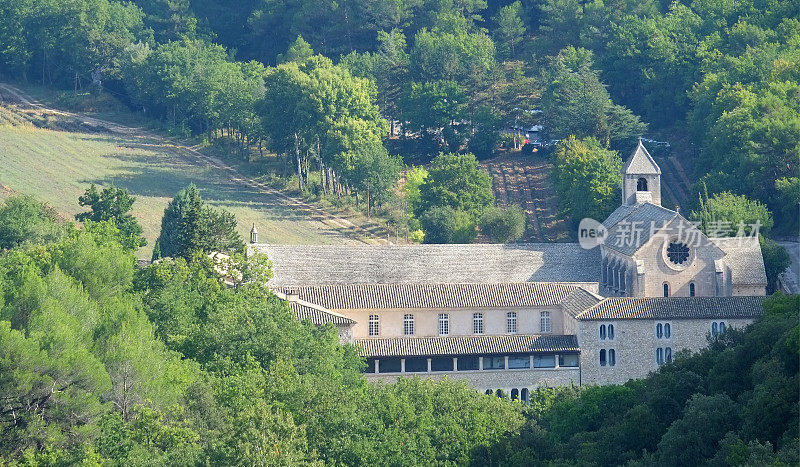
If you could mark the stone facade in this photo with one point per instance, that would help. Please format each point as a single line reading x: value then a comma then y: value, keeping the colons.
x: 635, y: 343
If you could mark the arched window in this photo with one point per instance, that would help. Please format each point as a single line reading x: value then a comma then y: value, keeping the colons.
x: 524, y: 395
x: 408, y: 324
x: 659, y: 355
x: 612, y: 357
x: 511, y: 322
x: 668, y: 354
x: 477, y: 323
x: 602, y: 357
x: 714, y: 330
x: 444, y: 324
x: 374, y: 325
x: 691, y: 289
x: 659, y: 330
x: 514, y: 394
x: 610, y: 331
x: 641, y: 184
x: 666, y: 289
x: 544, y: 321
x: 499, y: 393
x: 722, y: 327
x: 667, y: 331
x: 602, y: 331
x: 489, y: 392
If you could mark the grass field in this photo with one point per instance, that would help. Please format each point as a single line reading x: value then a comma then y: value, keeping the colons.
x: 57, y: 166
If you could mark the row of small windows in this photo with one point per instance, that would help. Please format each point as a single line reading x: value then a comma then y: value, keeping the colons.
x: 606, y: 332
x: 691, y: 289
x: 516, y: 394
x: 717, y: 328
x: 470, y: 363
x: 444, y: 323
x: 608, y: 357
x: 663, y: 331
x: 663, y: 355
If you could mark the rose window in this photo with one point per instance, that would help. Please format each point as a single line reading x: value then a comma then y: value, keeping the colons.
x: 678, y: 252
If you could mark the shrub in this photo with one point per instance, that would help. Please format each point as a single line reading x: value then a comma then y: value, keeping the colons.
x: 503, y: 225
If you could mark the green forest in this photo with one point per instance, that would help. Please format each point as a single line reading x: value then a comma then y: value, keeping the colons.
x: 350, y: 93
x: 191, y: 362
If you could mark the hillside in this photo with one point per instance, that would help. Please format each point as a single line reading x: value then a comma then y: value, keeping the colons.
x: 56, y: 157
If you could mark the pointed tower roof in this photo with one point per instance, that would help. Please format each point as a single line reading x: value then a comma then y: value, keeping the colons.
x: 641, y: 163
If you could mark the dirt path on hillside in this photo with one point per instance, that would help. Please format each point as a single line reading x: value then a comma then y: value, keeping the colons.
x: 370, y: 233
x: 526, y: 181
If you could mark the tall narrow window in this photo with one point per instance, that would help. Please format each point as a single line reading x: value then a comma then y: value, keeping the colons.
x: 612, y: 357
x: 667, y: 331
x: 511, y: 322
x: 722, y: 327
x: 545, y: 321
x: 691, y: 289
x: 408, y: 324
x: 524, y: 395
x: 514, y: 394
x: 374, y: 325
x: 602, y: 331
x: 668, y: 354
x: 659, y: 355
x: 714, y: 330
x: 602, y: 357
x: 610, y: 331
x: 444, y: 324
x: 477, y: 323
x: 666, y: 289
x: 659, y: 330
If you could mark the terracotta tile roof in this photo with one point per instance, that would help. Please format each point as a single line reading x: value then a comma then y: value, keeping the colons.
x: 674, y: 308
x: 466, y: 345
x: 389, y: 296
x: 386, y: 264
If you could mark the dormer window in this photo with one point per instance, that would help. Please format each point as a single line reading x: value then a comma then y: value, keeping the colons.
x: 641, y: 184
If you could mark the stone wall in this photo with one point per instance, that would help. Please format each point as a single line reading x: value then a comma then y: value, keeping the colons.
x: 635, y: 345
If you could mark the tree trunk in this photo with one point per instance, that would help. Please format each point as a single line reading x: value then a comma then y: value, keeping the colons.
x: 299, y: 165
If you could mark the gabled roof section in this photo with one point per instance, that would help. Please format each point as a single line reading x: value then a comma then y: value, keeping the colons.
x: 744, y: 260
x: 636, y: 227
x: 579, y: 301
x: 437, y: 296
x: 466, y: 345
x: 674, y: 308
x: 641, y: 163
x: 304, y: 265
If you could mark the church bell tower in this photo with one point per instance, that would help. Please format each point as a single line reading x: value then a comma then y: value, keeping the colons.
x: 641, y: 178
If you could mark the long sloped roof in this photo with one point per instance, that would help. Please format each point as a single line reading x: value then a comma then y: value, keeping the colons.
x: 466, y: 345
x: 317, y: 316
x: 302, y: 265
x: 674, y: 308
x: 389, y: 296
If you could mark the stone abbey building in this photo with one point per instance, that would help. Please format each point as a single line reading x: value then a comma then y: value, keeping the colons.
x: 517, y: 316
